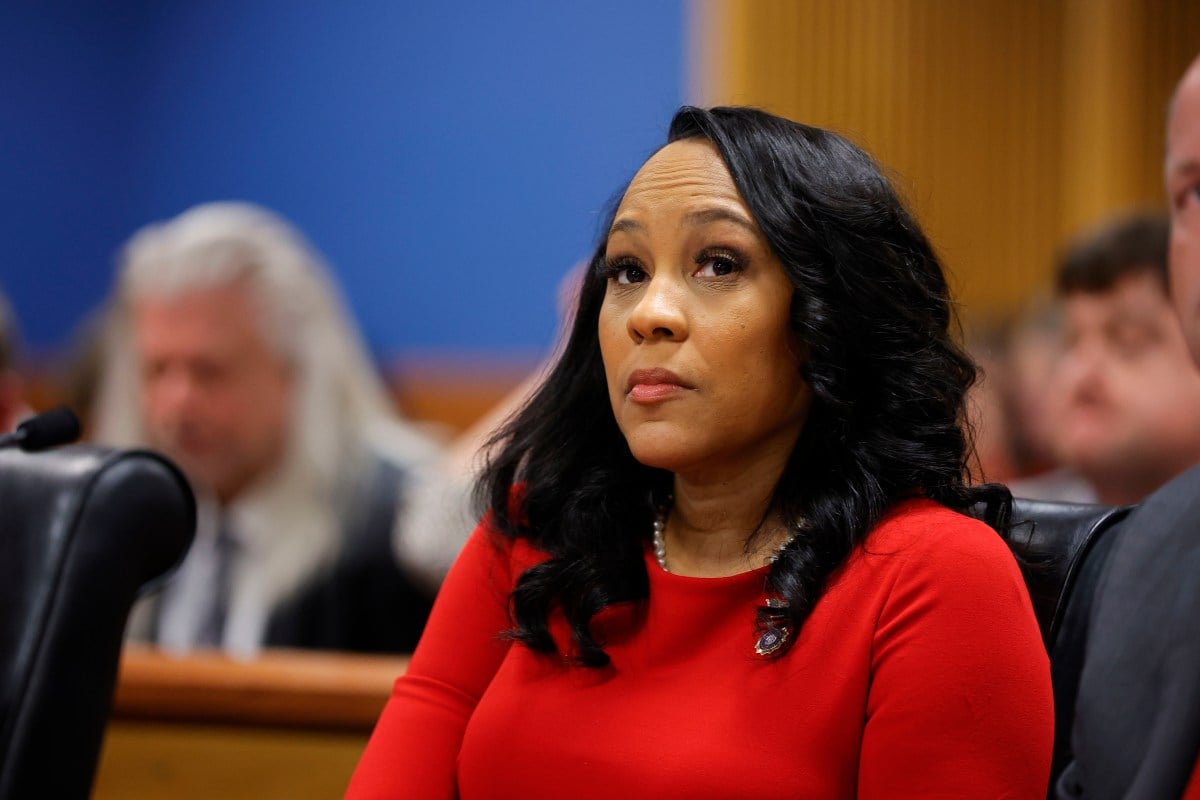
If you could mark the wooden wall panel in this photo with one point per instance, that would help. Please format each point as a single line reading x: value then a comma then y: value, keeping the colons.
x: 1009, y: 124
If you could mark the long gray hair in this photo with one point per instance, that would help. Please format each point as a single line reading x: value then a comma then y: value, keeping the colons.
x: 340, y: 403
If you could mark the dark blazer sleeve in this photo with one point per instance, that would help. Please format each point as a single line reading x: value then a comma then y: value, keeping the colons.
x: 1137, y: 719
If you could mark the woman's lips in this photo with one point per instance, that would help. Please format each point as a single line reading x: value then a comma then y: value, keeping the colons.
x: 654, y: 385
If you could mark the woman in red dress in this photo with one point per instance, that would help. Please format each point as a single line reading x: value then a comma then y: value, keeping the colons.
x: 728, y: 549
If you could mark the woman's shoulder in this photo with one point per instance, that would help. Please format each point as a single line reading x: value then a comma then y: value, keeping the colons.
x: 489, y: 544
x: 928, y: 532
x: 932, y: 563
x: 503, y: 558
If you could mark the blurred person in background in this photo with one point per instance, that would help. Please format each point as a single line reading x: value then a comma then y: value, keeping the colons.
x: 79, y: 369
x: 12, y: 405
x: 1017, y: 358
x: 1124, y: 400
x: 446, y: 503
x: 989, y: 412
x: 1031, y: 347
x: 1031, y: 355
x: 1137, y: 716
x: 228, y: 349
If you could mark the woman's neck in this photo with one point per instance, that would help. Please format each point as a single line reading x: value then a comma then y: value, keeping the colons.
x: 711, y: 524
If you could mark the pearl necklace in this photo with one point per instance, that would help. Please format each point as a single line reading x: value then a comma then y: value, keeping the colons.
x: 773, y: 627
x: 660, y: 542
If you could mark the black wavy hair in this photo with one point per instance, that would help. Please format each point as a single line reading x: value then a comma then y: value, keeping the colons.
x: 888, y: 382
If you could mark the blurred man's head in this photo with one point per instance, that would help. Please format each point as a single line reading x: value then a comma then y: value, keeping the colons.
x: 1029, y: 363
x: 1183, y: 194
x: 1127, y: 395
x: 230, y: 346
x: 215, y: 392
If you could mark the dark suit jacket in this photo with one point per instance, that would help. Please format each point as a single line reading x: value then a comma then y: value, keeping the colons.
x: 1137, y: 717
x: 364, y: 602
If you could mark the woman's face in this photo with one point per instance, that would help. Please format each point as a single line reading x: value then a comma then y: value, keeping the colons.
x: 703, y: 367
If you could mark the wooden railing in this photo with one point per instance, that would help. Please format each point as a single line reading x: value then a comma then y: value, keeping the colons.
x: 289, y: 724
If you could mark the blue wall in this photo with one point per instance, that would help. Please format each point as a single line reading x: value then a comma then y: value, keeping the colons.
x: 450, y: 159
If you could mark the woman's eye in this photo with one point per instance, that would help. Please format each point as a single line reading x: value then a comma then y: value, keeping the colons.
x: 714, y: 266
x: 628, y: 274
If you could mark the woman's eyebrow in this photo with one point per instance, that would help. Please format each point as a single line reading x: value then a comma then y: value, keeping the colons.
x: 708, y: 215
x: 626, y: 225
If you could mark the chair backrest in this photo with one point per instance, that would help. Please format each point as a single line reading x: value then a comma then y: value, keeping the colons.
x: 82, y: 530
x: 1064, y: 547
x: 1057, y: 540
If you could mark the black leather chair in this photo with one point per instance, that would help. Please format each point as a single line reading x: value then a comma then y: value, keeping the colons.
x: 82, y: 531
x: 1064, y: 547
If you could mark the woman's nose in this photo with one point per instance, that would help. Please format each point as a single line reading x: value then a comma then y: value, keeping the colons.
x: 660, y: 312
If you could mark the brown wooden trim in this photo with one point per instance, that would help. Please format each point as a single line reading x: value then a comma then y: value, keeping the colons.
x: 280, y: 688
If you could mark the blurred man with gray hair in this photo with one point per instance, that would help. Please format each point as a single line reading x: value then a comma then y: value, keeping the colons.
x: 228, y: 350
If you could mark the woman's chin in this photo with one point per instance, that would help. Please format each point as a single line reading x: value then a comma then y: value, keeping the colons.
x: 670, y: 457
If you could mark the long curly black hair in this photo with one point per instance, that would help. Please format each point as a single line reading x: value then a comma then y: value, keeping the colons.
x: 887, y: 420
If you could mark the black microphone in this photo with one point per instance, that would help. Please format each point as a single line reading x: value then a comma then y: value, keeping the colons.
x: 48, y: 429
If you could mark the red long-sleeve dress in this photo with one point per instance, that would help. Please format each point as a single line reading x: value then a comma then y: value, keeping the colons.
x: 919, y: 674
